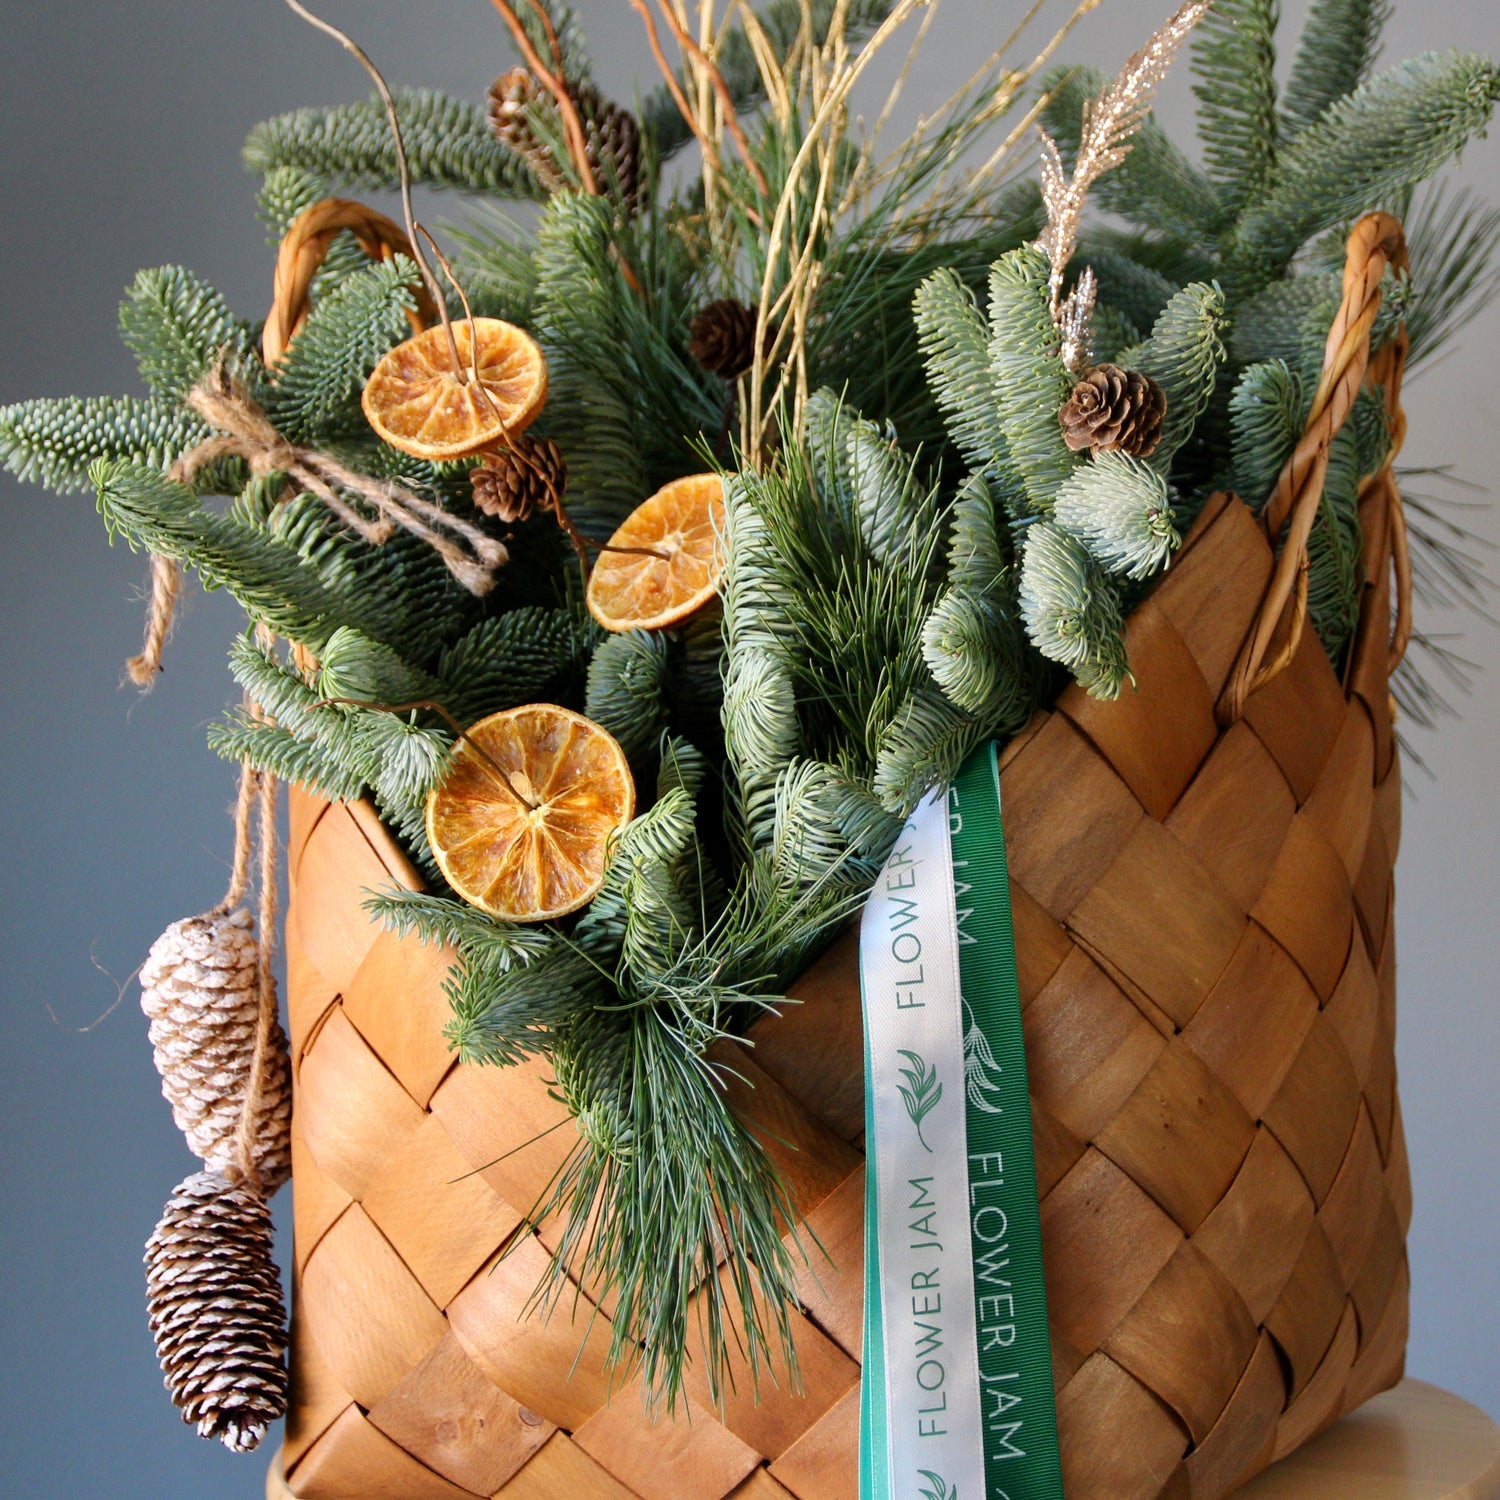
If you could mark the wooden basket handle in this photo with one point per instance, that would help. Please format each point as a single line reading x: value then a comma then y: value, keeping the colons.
x: 1376, y: 243
x: 303, y: 249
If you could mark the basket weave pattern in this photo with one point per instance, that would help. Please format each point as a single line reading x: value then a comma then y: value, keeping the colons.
x: 1204, y: 926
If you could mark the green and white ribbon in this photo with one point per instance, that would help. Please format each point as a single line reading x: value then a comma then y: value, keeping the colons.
x: 957, y: 1393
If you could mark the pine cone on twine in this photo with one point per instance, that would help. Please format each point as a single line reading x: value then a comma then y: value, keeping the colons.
x: 198, y: 987
x: 515, y: 482
x: 612, y: 136
x: 721, y: 338
x: 213, y: 1294
x: 1114, y: 411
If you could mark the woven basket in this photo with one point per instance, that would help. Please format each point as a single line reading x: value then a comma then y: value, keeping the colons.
x: 1202, y: 887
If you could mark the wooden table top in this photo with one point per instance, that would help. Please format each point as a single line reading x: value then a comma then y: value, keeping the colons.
x: 1417, y: 1442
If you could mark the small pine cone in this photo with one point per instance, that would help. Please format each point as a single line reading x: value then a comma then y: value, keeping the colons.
x: 213, y: 1295
x: 198, y: 987
x: 529, y: 476
x: 1114, y: 411
x: 722, y: 338
x: 612, y: 136
x: 613, y: 140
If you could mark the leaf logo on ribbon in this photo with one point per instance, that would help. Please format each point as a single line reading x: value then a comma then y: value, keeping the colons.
x: 940, y: 1488
x: 921, y: 1092
x: 981, y: 1071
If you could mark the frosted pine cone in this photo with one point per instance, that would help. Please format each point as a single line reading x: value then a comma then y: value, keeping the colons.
x: 515, y: 482
x: 1114, y: 411
x: 198, y: 987
x: 213, y: 1295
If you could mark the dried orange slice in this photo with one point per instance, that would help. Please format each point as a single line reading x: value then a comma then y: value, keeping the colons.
x: 681, y: 522
x: 420, y: 404
x: 533, y: 849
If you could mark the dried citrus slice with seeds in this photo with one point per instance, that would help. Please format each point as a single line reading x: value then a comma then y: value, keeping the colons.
x: 418, y: 402
x: 675, y: 568
x: 520, y: 823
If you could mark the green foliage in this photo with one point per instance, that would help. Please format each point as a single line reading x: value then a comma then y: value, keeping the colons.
x: 1266, y: 414
x: 1335, y: 581
x: 1119, y: 508
x: 321, y: 376
x: 1391, y: 133
x: 1183, y: 355
x: 1072, y: 610
x: 515, y: 658
x: 177, y: 326
x: 449, y: 144
x: 1338, y: 48
x: 52, y: 441
x: 1030, y: 380
x: 956, y: 347
x: 627, y: 690
x: 269, y: 578
x: 1235, y: 59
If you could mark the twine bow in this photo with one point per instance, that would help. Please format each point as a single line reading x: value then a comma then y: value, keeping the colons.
x: 244, y: 431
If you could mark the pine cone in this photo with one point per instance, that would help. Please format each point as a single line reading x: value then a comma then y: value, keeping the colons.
x: 722, y: 338
x: 1114, y: 411
x: 213, y: 1295
x: 529, y: 476
x: 612, y: 137
x: 198, y: 986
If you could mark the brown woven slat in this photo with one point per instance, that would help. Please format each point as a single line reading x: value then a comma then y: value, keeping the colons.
x: 1207, y: 969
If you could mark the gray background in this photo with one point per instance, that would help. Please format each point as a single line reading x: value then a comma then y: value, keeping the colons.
x: 122, y: 127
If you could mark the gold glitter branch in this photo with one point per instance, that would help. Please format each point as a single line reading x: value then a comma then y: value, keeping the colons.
x: 1109, y: 123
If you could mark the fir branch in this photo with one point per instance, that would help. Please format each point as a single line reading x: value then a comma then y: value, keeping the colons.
x: 1031, y: 383
x: 1271, y: 324
x: 828, y: 827
x: 351, y: 665
x: 972, y: 642
x: 1156, y: 186
x: 322, y: 375
x: 512, y: 659
x: 627, y: 689
x: 280, y: 753
x: 1338, y: 48
x: 505, y: 1011
x: 1265, y: 420
x: 449, y: 144
x: 1235, y: 60
x: 955, y: 346
x: 1119, y: 508
x: 761, y: 733
x: 1072, y: 610
x: 1390, y: 134
x: 52, y: 441
x: 894, y: 509
x: 925, y: 744
x: 1335, y: 575
x: 267, y: 577
x: 1183, y: 356
x: 177, y: 326
x: 1138, y: 293
x: 451, y: 924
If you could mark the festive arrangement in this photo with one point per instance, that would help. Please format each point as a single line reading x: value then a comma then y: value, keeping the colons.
x: 647, y: 571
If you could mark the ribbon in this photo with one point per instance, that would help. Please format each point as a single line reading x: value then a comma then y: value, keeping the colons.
x: 956, y: 1402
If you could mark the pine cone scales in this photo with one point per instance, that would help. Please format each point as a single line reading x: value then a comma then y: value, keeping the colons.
x: 612, y: 136
x: 213, y: 1294
x: 722, y: 338
x: 516, y: 482
x: 1114, y: 411
x: 198, y: 987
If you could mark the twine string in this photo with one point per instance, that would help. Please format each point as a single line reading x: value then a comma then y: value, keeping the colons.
x: 242, y: 430
x: 166, y: 589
